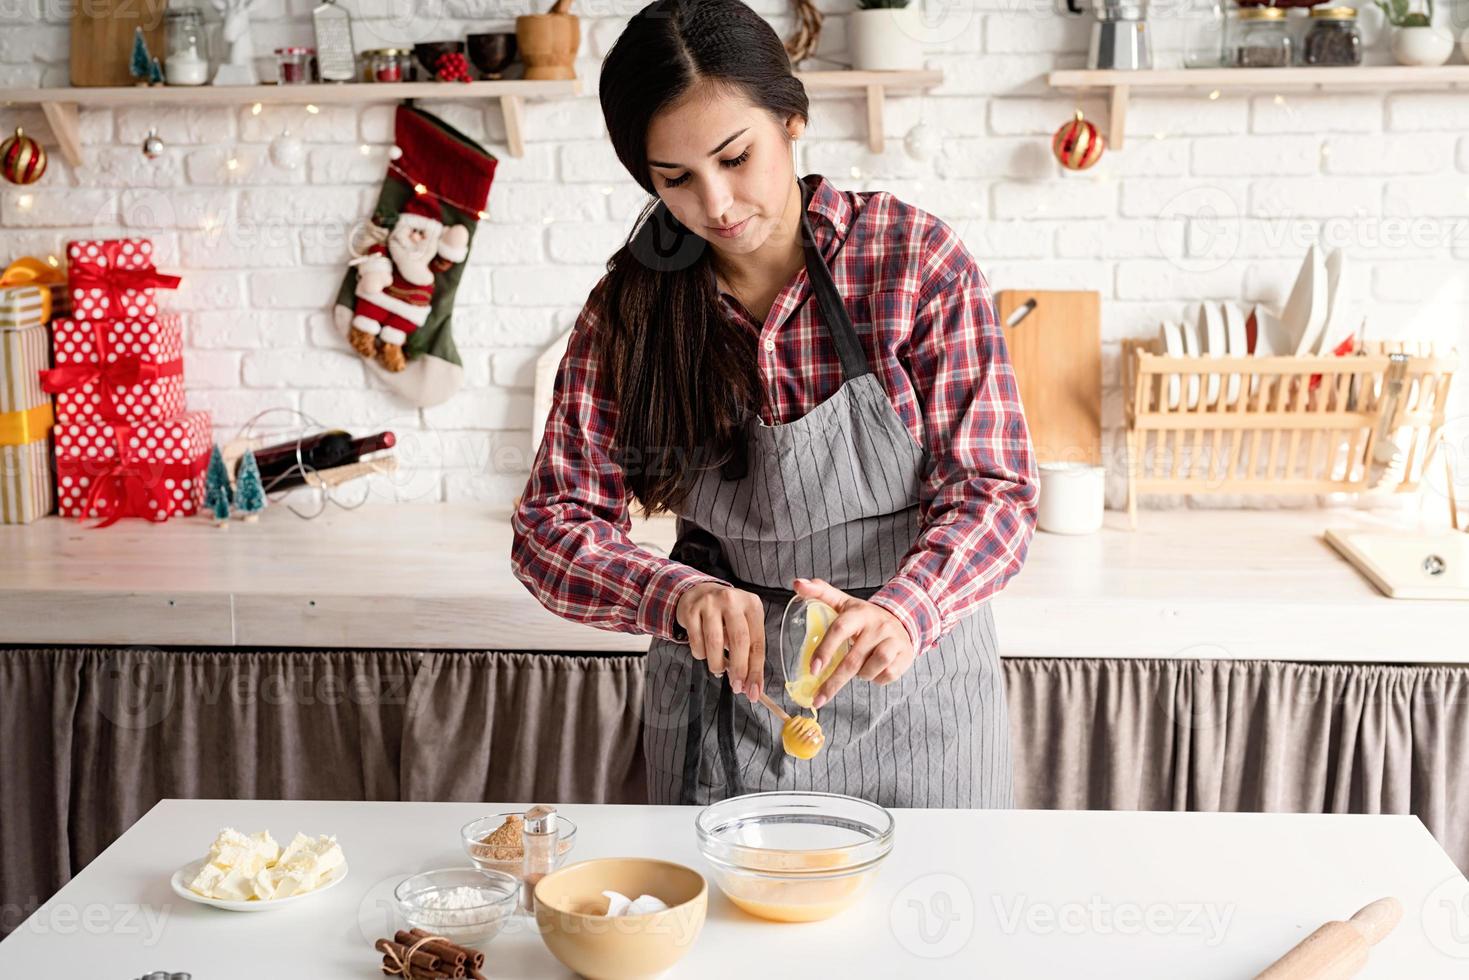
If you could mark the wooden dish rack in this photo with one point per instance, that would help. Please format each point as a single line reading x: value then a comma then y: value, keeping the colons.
x: 1280, y: 424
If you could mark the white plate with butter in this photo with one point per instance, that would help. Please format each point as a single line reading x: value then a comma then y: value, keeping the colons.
x: 182, y: 877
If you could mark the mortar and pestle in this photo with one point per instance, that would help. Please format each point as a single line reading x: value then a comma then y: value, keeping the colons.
x: 548, y: 42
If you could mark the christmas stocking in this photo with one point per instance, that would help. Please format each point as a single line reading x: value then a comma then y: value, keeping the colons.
x: 395, y: 307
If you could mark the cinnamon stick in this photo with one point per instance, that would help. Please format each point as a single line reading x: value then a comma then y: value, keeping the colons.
x: 422, y: 957
x: 450, y: 952
x: 414, y: 972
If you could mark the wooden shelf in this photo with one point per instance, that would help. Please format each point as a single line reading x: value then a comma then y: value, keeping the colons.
x: 875, y: 84
x: 61, y: 104
x: 1118, y: 85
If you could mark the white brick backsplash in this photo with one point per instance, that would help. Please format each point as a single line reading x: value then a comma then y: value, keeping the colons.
x: 496, y: 244
x: 176, y: 125
x: 565, y: 119
x: 1314, y: 198
x: 484, y: 408
x: 540, y: 202
x: 329, y: 124
x: 539, y: 285
x: 302, y: 368
x: 506, y: 326
x: 1075, y: 198
x: 1039, y: 117
x: 842, y: 159
x: 337, y: 165
x: 1210, y: 199
x: 212, y: 369
x: 1175, y: 116
x: 205, y: 291
x: 231, y: 410
x: 1002, y: 240
x: 294, y: 289
x: 1051, y: 274
x: 241, y: 330
x: 241, y: 165
x: 993, y: 74
x: 337, y: 206
x: 515, y: 368
x: 1228, y: 156
x: 1417, y: 197
x: 1157, y: 279
x: 1428, y: 110
x: 590, y: 161
x: 1402, y: 153
x: 230, y: 247
x: 583, y: 244
x: 1117, y: 239
x: 992, y: 157
x: 1296, y: 113
x: 1405, y: 282
x: 1033, y: 30
x: 40, y: 207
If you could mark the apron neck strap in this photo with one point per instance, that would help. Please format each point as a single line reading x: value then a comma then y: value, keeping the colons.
x: 828, y: 299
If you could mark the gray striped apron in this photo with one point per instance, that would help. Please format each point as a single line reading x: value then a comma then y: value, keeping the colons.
x: 831, y: 495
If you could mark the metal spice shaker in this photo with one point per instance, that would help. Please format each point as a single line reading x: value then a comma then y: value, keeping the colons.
x: 540, y: 836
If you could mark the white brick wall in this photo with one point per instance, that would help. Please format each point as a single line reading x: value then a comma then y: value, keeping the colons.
x: 1211, y: 199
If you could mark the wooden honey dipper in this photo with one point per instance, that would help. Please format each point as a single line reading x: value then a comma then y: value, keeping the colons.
x: 1338, y: 949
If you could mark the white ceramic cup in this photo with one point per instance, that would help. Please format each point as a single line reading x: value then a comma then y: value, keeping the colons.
x: 1072, y: 497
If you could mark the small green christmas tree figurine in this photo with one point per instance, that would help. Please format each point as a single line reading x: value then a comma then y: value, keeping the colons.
x: 155, y: 73
x: 249, y: 492
x: 141, y: 66
x: 217, y: 494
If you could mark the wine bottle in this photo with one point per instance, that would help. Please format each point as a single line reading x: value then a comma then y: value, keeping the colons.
x: 286, y: 465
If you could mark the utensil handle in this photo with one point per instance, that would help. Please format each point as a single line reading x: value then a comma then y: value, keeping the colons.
x: 775, y: 709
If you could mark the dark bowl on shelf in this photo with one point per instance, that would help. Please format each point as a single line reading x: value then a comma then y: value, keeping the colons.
x: 427, y: 54
x: 492, y: 53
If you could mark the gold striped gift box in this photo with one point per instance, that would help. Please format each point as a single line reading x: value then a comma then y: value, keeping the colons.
x: 27, y: 488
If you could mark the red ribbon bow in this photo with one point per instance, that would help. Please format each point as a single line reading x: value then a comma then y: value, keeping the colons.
x: 126, y: 480
x: 103, y: 273
x: 125, y: 371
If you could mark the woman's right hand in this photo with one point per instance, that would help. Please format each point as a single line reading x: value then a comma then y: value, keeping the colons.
x: 726, y: 628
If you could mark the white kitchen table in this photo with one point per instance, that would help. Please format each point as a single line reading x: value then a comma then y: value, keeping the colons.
x: 966, y: 893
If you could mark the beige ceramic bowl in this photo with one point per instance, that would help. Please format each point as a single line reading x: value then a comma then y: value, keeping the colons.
x: 570, y: 907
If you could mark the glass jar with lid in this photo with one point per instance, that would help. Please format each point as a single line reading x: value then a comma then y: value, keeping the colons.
x: 1261, y: 39
x: 386, y: 64
x: 1333, y: 38
x: 293, y: 65
x: 186, y: 61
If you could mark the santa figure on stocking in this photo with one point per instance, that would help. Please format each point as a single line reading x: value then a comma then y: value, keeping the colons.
x: 395, y: 279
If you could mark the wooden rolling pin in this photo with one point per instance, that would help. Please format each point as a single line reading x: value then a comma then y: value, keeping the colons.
x: 1338, y: 949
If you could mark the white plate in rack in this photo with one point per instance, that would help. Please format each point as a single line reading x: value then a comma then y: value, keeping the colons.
x: 181, y: 878
x: 1212, y: 343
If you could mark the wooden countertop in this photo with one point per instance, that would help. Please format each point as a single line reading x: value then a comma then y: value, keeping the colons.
x: 1017, y: 893
x: 1186, y: 584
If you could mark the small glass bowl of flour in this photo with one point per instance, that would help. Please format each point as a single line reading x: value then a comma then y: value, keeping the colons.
x: 465, y: 905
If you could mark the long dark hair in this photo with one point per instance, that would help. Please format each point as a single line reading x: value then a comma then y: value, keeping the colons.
x: 684, y: 376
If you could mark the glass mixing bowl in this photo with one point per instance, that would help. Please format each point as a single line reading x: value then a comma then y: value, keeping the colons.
x: 421, y: 900
x: 794, y: 857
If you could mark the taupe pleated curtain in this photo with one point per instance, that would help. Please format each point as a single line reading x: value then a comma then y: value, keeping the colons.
x: 90, y: 739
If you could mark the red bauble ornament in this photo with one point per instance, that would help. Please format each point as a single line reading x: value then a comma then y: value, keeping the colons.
x: 1077, y: 144
x: 22, y: 159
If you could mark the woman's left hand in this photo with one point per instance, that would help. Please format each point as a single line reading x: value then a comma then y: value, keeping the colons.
x: 881, y: 650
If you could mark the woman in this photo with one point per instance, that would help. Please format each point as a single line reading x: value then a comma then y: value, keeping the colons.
x: 814, y: 382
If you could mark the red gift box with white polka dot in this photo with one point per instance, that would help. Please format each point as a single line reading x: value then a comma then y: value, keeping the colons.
x: 113, y: 278
x: 153, y: 469
x: 119, y: 370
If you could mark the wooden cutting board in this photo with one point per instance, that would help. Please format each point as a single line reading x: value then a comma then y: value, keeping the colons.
x: 102, y: 39
x: 1056, y: 349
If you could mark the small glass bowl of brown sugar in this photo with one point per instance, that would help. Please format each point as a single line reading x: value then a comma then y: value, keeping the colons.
x: 494, y: 843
